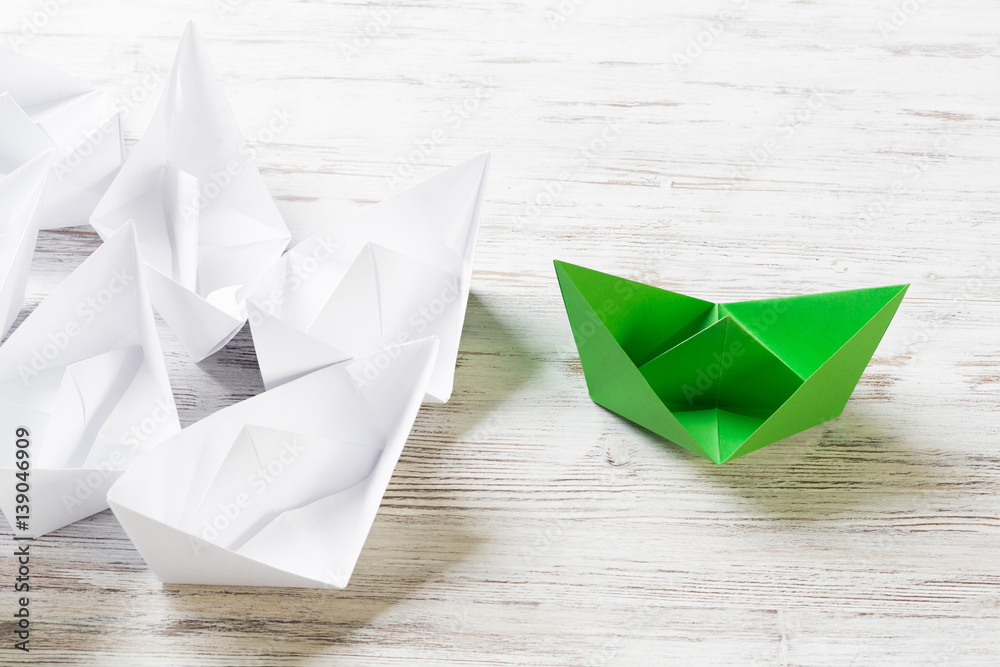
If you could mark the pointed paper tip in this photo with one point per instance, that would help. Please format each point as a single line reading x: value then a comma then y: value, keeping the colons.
x: 897, y: 290
x: 560, y: 267
x: 190, y: 39
x: 573, y: 271
x: 482, y: 160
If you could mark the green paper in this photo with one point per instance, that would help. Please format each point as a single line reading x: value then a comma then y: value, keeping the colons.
x: 722, y: 379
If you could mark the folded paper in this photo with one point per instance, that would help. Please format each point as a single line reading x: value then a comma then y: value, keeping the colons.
x: 85, y: 378
x: 398, y: 271
x: 282, y: 488
x: 20, y: 192
x: 207, y: 226
x: 43, y: 109
x: 722, y: 380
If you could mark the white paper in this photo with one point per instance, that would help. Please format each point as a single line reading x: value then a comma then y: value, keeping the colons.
x: 398, y: 271
x: 282, y: 488
x: 43, y: 109
x: 84, y: 373
x: 207, y: 226
x: 20, y: 192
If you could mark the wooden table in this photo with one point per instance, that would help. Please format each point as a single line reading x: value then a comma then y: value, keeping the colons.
x: 732, y: 150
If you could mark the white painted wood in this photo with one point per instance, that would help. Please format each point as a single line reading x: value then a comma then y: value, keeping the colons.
x: 525, y: 525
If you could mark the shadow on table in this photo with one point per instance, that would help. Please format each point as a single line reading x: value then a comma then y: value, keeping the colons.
x: 855, y: 463
x: 417, y: 536
x: 401, y: 555
x: 492, y: 364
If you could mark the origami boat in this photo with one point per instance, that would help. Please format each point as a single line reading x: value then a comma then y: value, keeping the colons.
x: 84, y: 383
x: 722, y: 379
x: 280, y: 489
x: 207, y: 226
x: 397, y: 271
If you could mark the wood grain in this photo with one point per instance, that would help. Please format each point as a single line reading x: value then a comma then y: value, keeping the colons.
x: 806, y: 148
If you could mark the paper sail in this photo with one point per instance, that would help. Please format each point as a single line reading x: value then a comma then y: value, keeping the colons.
x: 43, y: 109
x: 85, y: 378
x: 722, y: 380
x: 207, y: 226
x: 282, y: 488
x: 398, y: 271
x: 20, y: 192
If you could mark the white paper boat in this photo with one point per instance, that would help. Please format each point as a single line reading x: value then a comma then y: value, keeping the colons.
x: 282, y: 488
x: 208, y: 228
x: 85, y: 376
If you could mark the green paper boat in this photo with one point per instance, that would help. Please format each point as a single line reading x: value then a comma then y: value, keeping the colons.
x: 722, y: 379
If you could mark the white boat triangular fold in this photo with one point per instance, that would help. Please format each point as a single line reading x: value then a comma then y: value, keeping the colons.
x: 305, y: 464
x: 413, y: 252
x: 43, y: 109
x: 302, y: 355
x: 20, y: 192
x: 87, y: 395
x: 206, y: 222
x: 85, y: 379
